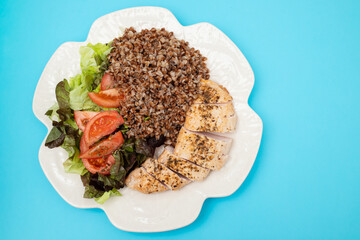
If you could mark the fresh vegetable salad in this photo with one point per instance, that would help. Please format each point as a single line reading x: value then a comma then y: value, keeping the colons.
x: 87, y: 124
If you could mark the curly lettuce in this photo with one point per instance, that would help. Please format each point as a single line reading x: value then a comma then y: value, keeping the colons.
x: 72, y: 95
x: 93, y: 63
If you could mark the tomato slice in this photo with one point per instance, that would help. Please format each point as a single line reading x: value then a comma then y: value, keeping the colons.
x: 83, y: 117
x: 83, y: 146
x: 107, y: 82
x: 105, y: 147
x: 99, y: 165
x: 110, y: 98
x: 101, y: 125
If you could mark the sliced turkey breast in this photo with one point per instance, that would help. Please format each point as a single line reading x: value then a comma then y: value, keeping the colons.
x: 205, y: 149
x: 182, y: 166
x: 164, y: 175
x: 219, y: 118
x: 211, y: 92
x: 143, y: 182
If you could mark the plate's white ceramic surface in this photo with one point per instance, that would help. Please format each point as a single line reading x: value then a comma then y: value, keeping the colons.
x: 168, y: 210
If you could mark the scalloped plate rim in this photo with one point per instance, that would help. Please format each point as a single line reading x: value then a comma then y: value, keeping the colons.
x: 202, y: 200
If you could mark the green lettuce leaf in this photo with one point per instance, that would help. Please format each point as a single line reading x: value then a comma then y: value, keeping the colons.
x: 72, y: 95
x: 107, y: 195
x: 55, y: 138
x: 92, y: 57
x: 71, y: 122
x: 69, y: 145
x: 65, y: 133
x: 81, y: 101
x: 62, y: 94
x: 93, y: 63
x: 63, y: 99
x: 52, y: 114
x: 92, y: 192
x: 87, y: 61
x: 74, y: 164
x: 109, y: 182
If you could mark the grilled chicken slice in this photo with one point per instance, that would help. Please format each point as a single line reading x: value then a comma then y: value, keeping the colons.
x: 164, y: 175
x: 212, y: 93
x: 205, y: 149
x: 211, y: 117
x: 143, y: 182
x: 182, y: 166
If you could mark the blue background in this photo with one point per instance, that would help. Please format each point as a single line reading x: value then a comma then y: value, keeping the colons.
x: 305, y: 183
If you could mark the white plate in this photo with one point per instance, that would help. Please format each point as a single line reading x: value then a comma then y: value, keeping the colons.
x: 169, y: 210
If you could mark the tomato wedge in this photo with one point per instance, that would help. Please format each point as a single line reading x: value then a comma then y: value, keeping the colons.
x: 110, y: 98
x: 105, y: 147
x: 101, y: 125
x: 83, y: 117
x: 83, y: 146
x: 99, y: 165
x: 107, y: 82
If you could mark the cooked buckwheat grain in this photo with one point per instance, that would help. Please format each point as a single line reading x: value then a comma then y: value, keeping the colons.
x: 160, y: 76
